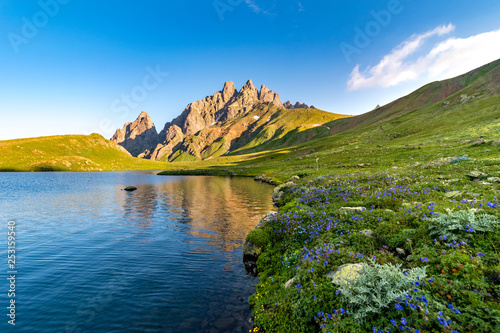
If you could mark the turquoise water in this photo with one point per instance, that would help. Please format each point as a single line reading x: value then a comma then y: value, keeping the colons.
x: 93, y: 258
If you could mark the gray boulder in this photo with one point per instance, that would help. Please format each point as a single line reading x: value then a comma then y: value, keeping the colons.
x: 251, y: 251
x: 494, y: 179
x: 130, y: 188
x: 349, y: 210
x: 279, y: 191
x: 453, y: 194
x: 475, y: 175
x: 289, y: 283
x: 368, y: 233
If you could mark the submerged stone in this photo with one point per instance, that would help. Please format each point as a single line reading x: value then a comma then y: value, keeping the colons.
x: 130, y: 188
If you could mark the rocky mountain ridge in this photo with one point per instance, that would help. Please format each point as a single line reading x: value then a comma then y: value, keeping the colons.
x: 141, y: 139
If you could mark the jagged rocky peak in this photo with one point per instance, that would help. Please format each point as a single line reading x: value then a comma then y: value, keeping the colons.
x: 248, y: 86
x: 137, y: 136
x: 228, y: 91
x: 266, y: 95
x: 298, y: 105
x: 145, y: 119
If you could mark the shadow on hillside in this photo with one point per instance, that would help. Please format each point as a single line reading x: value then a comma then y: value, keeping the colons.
x: 146, y: 141
x: 290, y: 139
x: 9, y: 170
x: 35, y: 169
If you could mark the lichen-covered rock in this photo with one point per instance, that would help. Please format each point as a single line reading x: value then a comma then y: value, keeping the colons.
x: 453, y: 194
x: 475, y: 175
x: 267, y: 217
x: 400, y: 251
x: 279, y: 191
x: 289, y: 283
x: 349, y: 210
x: 265, y: 179
x: 251, y: 251
x: 367, y: 233
x: 293, y: 179
x: 260, y: 178
x: 346, y: 273
x: 494, y: 179
x: 440, y: 161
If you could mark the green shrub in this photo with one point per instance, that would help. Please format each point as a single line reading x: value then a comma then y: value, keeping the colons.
x: 258, y: 237
x: 377, y: 288
x: 463, y: 221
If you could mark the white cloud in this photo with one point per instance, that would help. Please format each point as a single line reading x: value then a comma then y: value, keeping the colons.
x: 446, y: 59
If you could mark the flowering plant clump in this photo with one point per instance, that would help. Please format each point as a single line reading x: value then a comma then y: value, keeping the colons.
x: 453, y: 225
x: 378, y: 287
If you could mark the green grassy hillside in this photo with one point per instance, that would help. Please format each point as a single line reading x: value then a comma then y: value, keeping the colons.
x: 455, y: 117
x: 69, y: 153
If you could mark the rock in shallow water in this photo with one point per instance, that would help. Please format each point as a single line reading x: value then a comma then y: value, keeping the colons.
x: 130, y: 188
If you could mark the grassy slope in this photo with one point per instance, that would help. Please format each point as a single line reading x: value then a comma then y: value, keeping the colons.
x: 434, y: 121
x: 69, y: 153
x: 263, y: 128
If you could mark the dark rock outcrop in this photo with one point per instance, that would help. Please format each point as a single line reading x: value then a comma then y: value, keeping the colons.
x: 138, y: 136
x: 298, y: 105
x: 130, y: 188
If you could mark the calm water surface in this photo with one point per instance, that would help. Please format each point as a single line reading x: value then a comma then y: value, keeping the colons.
x: 94, y: 258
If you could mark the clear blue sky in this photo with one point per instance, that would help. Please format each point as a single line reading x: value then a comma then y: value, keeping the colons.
x: 66, y: 65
